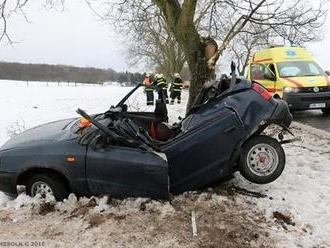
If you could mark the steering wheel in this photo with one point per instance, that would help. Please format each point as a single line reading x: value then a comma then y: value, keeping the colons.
x: 96, y: 123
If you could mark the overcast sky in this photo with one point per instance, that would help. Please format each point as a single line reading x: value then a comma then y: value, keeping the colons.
x: 76, y: 37
x: 73, y: 37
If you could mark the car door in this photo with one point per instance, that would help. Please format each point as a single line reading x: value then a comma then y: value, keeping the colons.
x: 201, y: 155
x: 126, y: 172
x: 264, y: 75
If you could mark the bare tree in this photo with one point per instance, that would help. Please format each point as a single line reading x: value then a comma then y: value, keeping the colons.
x: 147, y: 35
x: 151, y: 42
x: 7, y: 9
x: 259, y: 36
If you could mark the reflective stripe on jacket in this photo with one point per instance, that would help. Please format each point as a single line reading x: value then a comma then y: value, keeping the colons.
x: 161, y: 83
x: 177, y: 84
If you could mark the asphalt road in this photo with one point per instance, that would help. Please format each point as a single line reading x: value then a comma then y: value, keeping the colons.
x: 314, y: 118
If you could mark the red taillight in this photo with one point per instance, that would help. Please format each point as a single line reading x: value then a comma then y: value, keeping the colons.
x: 262, y: 91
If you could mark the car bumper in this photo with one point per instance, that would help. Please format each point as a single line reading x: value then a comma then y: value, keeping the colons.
x: 281, y: 115
x: 7, y: 182
x: 303, y: 101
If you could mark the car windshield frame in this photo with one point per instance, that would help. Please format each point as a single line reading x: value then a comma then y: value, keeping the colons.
x: 303, y: 66
x: 125, y: 98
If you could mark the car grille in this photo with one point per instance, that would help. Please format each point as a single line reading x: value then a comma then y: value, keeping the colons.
x: 311, y: 89
x: 315, y: 99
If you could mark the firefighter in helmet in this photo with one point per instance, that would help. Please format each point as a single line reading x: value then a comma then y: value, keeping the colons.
x: 176, y: 88
x: 149, y: 89
x: 161, y: 87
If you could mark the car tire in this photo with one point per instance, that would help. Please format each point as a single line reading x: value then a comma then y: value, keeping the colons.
x: 47, y: 184
x: 262, y: 160
x: 326, y: 111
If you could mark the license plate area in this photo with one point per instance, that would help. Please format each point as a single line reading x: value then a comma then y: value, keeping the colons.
x: 317, y: 105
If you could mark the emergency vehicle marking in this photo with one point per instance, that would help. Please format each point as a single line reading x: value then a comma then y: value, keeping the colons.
x: 262, y: 60
x: 296, y: 83
x: 291, y: 53
x: 273, y: 90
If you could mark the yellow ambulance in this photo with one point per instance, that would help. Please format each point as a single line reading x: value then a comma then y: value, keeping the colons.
x: 291, y: 73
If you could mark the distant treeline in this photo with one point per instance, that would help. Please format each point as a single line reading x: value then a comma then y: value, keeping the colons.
x: 63, y: 73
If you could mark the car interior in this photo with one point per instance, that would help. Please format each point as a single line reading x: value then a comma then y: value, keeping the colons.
x: 144, y: 129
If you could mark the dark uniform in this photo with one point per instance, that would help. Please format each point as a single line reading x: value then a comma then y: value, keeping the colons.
x: 161, y: 87
x: 149, y: 89
x: 176, y: 89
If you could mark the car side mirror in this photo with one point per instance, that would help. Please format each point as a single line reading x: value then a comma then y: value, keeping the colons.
x: 327, y: 72
x: 124, y: 108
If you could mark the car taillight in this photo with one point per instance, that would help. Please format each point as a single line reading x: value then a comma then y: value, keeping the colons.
x: 261, y: 91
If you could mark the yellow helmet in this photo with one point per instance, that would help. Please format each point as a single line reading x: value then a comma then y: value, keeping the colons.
x: 177, y: 75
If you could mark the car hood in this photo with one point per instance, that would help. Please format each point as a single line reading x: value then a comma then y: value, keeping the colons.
x: 47, y: 133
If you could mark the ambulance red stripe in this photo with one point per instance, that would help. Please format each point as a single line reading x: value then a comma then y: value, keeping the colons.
x: 296, y: 83
x: 273, y: 90
x: 262, y: 60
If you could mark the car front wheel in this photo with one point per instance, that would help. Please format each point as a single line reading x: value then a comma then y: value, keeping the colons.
x: 44, y: 184
x: 262, y: 160
x: 326, y: 111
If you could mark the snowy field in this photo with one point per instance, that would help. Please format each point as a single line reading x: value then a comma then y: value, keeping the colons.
x: 294, y: 211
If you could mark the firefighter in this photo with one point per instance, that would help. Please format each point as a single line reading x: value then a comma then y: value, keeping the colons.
x: 176, y: 88
x: 161, y: 87
x: 149, y: 89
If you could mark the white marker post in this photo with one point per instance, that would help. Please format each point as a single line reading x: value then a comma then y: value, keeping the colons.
x: 193, y: 223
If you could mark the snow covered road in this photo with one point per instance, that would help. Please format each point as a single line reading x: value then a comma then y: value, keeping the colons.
x: 294, y: 211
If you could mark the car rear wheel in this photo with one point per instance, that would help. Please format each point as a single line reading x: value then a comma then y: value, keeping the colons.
x: 326, y: 111
x: 45, y: 184
x: 262, y: 160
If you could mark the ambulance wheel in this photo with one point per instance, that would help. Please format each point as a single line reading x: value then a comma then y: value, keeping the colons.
x: 262, y: 160
x: 326, y: 111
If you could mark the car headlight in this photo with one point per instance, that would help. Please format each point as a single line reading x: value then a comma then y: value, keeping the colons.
x: 290, y: 89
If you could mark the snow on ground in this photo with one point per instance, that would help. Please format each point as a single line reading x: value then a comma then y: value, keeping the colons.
x: 302, y: 192
x: 291, y: 212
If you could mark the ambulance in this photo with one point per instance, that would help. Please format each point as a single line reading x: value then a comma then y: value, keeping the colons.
x: 291, y: 73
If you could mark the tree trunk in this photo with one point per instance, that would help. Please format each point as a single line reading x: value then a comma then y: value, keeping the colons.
x: 202, y: 68
x: 180, y: 20
x: 199, y: 75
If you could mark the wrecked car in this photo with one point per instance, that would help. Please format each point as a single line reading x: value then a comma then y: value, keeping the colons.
x: 125, y: 153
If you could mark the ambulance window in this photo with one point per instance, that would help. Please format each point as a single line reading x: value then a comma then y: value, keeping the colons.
x: 299, y: 69
x: 289, y: 71
x: 261, y: 72
x: 313, y: 69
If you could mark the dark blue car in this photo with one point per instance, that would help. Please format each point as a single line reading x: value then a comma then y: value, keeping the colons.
x: 123, y: 153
